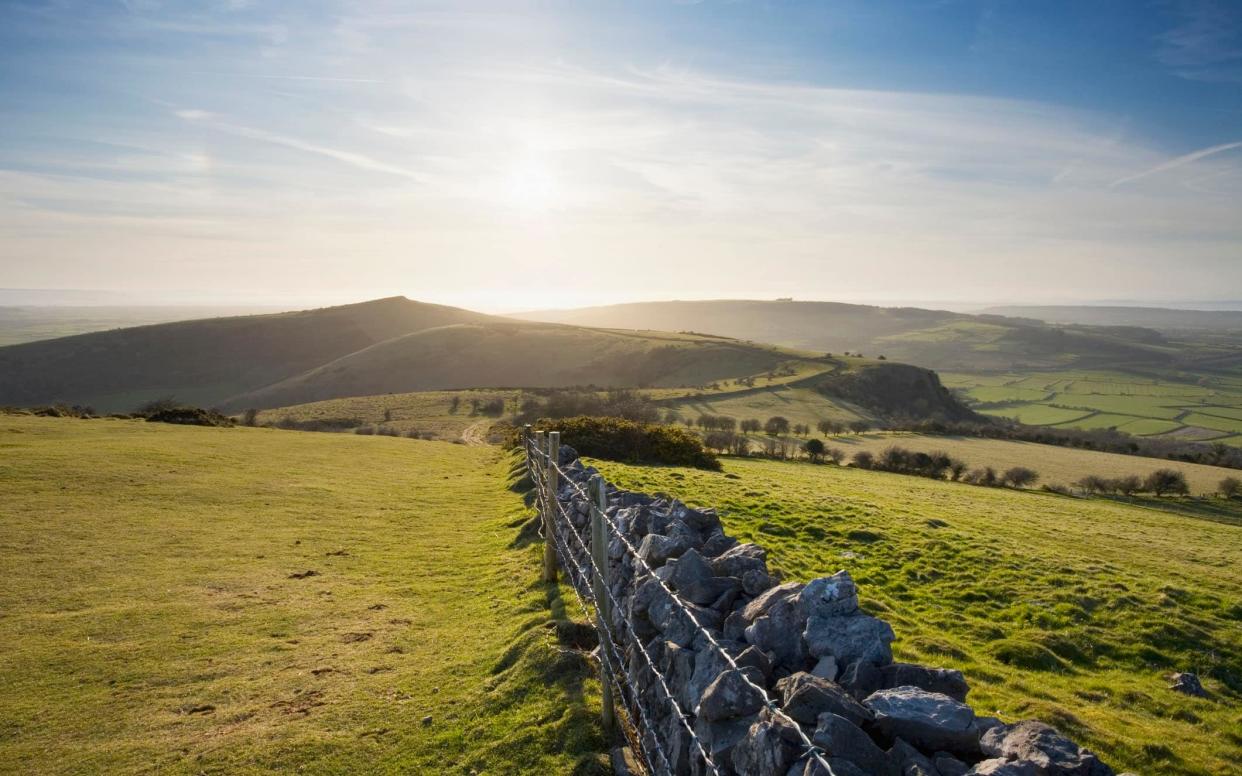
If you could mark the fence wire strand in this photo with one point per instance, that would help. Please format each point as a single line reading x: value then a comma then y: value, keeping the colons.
x: 616, y: 667
x: 809, y: 747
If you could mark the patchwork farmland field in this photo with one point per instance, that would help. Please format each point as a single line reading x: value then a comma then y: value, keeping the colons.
x: 1071, y: 611
x: 1206, y: 408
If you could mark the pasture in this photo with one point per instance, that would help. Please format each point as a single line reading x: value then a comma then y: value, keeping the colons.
x: 243, y: 601
x: 1070, y: 611
x: 1204, y: 408
x: 1056, y: 465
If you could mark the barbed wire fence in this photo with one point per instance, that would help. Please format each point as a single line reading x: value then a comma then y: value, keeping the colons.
x: 629, y: 695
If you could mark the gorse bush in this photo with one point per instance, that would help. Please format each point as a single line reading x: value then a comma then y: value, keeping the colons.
x: 619, y: 439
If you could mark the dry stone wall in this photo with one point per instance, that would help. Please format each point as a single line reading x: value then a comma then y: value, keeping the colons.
x: 824, y: 663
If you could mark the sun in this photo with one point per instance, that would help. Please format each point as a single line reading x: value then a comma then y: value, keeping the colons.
x: 530, y: 186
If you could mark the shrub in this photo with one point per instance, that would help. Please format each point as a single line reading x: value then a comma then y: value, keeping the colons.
x: 834, y: 454
x: 1020, y: 477
x: 863, y: 460
x: 190, y: 416
x: 250, y: 417
x: 1229, y: 487
x: 776, y: 425
x: 147, y: 409
x: 1163, y: 481
x: 619, y: 439
x: 814, y: 448
x: 1060, y: 490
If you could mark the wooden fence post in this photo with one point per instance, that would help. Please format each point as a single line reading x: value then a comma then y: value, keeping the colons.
x: 549, y: 519
x: 598, y: 493
x: 526, y: 440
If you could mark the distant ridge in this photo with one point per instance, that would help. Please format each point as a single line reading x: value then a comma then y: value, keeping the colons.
x: 1161, y: 318
x: 936, y: 339
x: 205, y: 361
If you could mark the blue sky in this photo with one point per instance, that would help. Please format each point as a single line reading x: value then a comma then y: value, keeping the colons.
x: 468, y: 153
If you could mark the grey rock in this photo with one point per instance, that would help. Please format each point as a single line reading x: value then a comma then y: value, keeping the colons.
x: 1188, y: 684
x: 945, y: 681
x: 834, y: 596
x: 804, y: 697
x: 779, y: 631
x: 787, y: 593
x: 718, y: 544
x: 1003, y: 767
x: 756, y: 658
x: 719, y: 738
x: 730, y: 697
x: 908, y: 761
x: 842, y: 739
x: 930, y: 721
x: 861, y: 678
x: 656, y: 550
x: 693, y: 580
x: 769, y: 749
x: 676, y: 625
x: 735, y: 625
x: 859, y: 637
x: 826, y: 668
x: 623, y: 762
x: 737, y: 560
x: 755, y: 581
x: 948, y: 765
x: 1049, y: 752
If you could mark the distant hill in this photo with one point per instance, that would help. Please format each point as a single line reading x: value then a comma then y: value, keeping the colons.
x: 205, y: 361
x: 1159, y: 318
x: 512, y: 354
x: 936, y: 339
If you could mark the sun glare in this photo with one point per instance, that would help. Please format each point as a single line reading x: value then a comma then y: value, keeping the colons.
x: 530, y: 186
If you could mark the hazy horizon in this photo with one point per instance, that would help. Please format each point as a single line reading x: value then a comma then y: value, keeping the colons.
x: 88, y: 298
x: 508, y: 157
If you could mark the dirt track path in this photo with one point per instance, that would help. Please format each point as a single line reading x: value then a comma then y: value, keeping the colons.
x: 476, y: 433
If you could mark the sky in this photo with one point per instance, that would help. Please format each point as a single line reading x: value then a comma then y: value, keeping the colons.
x: 524, y: 155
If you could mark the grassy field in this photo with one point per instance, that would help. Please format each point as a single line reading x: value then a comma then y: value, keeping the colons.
x: 426, y: 412
x: 1056, y: 465
x: 158, y: 616
x: 1061, y: 609
x: 1199, y: 407
x: 799, y: 405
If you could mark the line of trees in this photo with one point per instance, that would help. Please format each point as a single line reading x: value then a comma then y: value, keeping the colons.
x: 1161, y: 482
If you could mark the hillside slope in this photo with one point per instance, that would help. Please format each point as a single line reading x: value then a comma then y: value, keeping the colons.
x: 520, y: 354
x: 159, y: 617
x: 205, y: 361
x: 936, y: 339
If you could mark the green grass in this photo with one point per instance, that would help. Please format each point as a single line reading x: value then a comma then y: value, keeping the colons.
x: 799, y: 405
x: 1038, y: 414
x: 426, y: 412
x: 1056, y: 465
x: 151, y: 623
x: 1210, y: 405
x: 1214, y: 422
x: 1067, y: 610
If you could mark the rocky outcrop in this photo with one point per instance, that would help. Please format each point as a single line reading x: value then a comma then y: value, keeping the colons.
x: 808, y: 674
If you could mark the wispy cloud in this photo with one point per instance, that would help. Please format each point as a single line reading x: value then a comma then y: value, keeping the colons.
x: 1178, y: 161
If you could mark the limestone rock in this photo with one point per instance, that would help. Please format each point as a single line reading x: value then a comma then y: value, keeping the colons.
x: 1048, y: 752
x: 834, y: 596
x: 842, y: 739
x: 931, y: 721
x: 1188, y: 684
x: 857, y: 637
x: 730, y: 696
x: 942, y: 680
x: 804, y: 697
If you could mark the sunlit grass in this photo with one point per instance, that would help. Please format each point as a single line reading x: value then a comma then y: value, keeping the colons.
x: 1070, y: 611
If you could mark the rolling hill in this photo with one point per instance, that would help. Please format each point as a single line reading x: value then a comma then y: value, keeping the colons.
x: 936, y: 339
x: 205, y: 361
x: 521, y: 354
